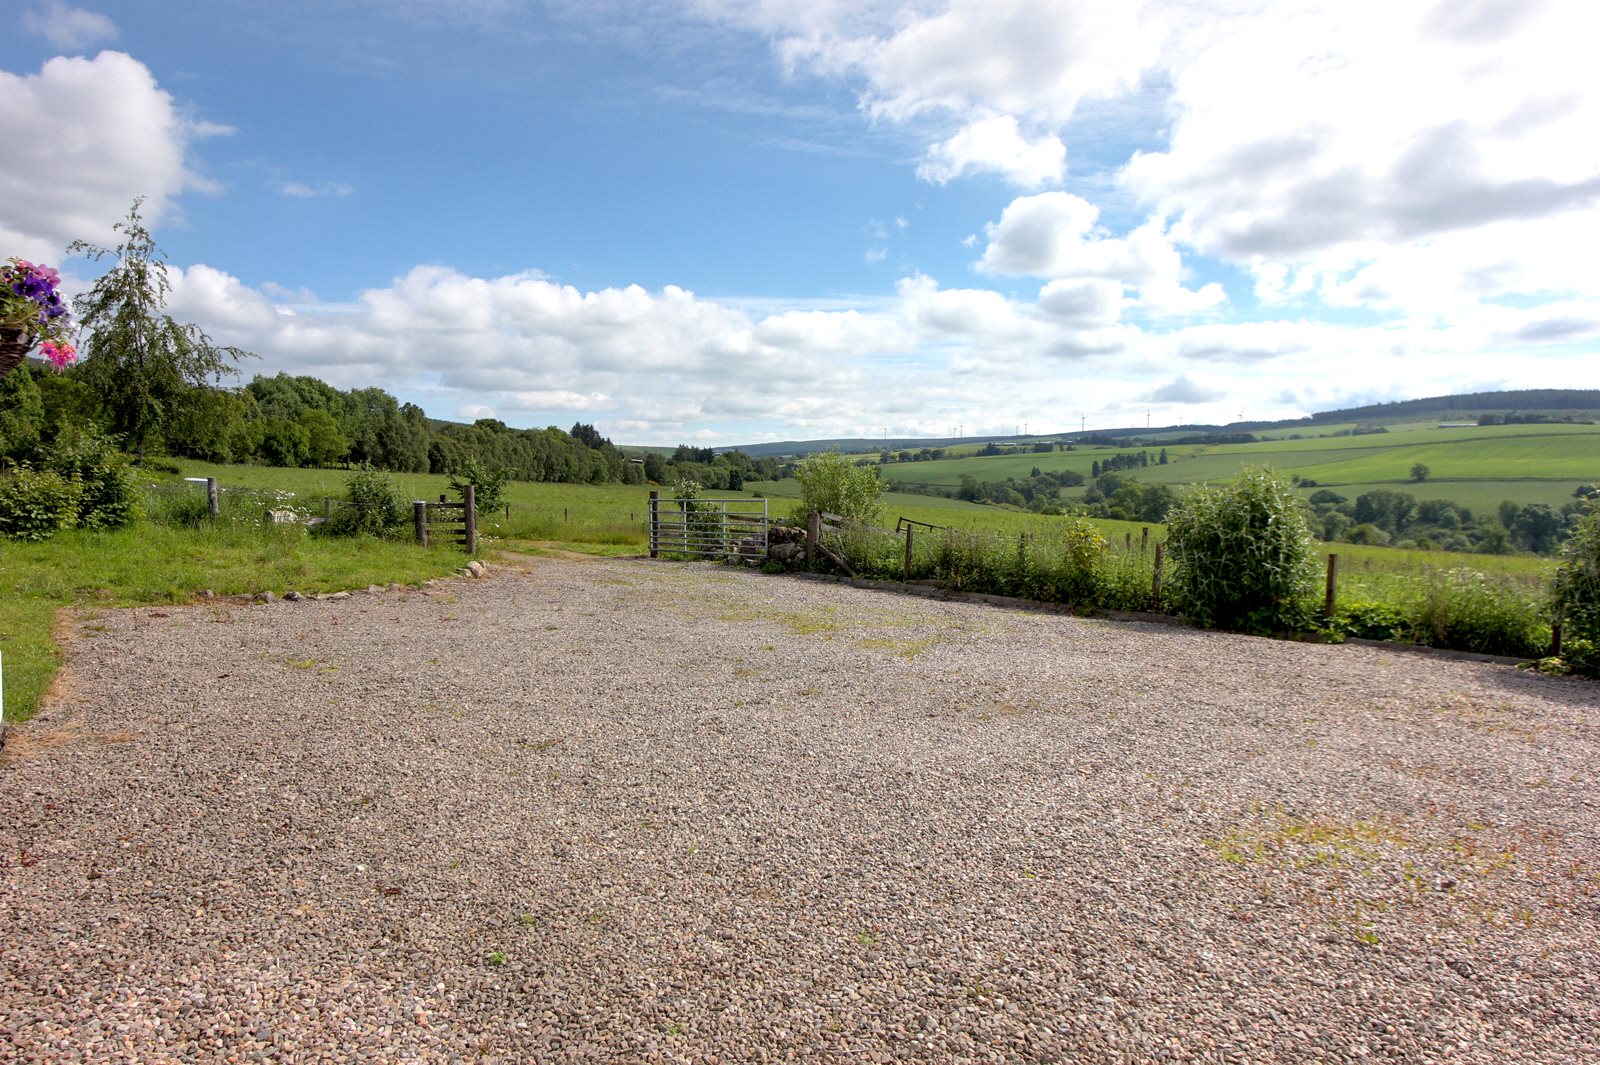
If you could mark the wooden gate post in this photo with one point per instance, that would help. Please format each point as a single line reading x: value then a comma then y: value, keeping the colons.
x: 813, y: 534
x: 1332, y: 586
x: 470, y: 497
x: 211, y: 496
x: 655, y: 524
x: 906, y: 575
x: 1155, y: 582
x: 419, y: 516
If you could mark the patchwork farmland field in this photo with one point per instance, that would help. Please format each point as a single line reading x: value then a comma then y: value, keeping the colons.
x: 1475, y: 466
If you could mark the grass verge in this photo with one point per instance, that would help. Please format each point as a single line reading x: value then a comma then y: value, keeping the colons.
x: 150, y: 564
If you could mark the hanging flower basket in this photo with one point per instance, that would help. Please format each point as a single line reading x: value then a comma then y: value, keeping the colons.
x: 31, y: 312
x: 14, y: 345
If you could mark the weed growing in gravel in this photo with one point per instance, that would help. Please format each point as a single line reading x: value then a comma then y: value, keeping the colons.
x: 498, y: 957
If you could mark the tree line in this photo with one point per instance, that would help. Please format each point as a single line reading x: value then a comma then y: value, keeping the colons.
x: 155, y: 386
x: 287, y: 420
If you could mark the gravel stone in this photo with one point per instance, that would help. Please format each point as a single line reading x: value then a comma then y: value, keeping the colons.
x: 620, y: 810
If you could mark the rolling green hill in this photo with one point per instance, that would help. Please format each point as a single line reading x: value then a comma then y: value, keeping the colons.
x: 1475, y: 466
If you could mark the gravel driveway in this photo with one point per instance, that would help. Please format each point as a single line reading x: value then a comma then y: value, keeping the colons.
x: 635, y: 811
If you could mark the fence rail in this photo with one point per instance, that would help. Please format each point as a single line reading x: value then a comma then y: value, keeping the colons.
x: 709, y: 528
x: 447, y: 514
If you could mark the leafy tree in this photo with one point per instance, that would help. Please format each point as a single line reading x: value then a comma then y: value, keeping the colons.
x: 832, y: 483
x: 1537, y: 528
x: 1419, y: 473
x: 210, y: 424
x: 284, y: 442
x: 1141, y: 502
x: 325, y: 444
x: 1389, y: 511
x: 137, y: 357
x: 21, y: 413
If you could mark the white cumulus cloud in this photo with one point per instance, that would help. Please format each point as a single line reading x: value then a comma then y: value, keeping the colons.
x: 996, y: 145
x: 111, y: 134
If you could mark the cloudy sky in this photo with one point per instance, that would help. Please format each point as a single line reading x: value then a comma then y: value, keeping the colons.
x: 720, y: 221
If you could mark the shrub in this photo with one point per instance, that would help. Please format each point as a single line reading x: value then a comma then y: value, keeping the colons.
x: 1575, y: 595
x: 1242, y: 555
x: 831, y: 483
x: 37, y: 504
x: 375, y: 506
x: 108, y: 498
x: 1372, y: 621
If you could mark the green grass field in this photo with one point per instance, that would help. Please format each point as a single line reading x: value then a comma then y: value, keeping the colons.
x: 1475, y: 466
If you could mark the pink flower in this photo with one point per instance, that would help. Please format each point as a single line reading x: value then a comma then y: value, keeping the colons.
x: 58, y: 354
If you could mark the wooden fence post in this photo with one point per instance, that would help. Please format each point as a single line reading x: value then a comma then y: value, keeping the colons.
x: 419, y: 516
x: 906, y: 575
x: 813, y: 534
x: 1331, y: 590
x: 1155, y: 582
x: 655, y: 517
x: 211, y: 496
x: 327, y: 508
x: 1555, y: 638
x: 471, y: 500
x: 1144, y: 539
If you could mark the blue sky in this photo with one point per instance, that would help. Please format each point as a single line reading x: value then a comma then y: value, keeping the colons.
x: 719, y: 222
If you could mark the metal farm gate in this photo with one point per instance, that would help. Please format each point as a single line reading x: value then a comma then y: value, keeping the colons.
x: 708, y: 528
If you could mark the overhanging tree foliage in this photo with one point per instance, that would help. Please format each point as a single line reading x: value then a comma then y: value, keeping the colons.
x: 139, y: 360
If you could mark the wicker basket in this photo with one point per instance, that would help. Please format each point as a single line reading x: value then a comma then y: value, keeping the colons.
x: 14, y: 344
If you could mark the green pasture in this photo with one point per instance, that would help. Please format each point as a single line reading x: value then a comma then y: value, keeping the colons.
x: 591, y: 514
x: 951, y: 513
x: 948, y: 472
x: 1476, y: 466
